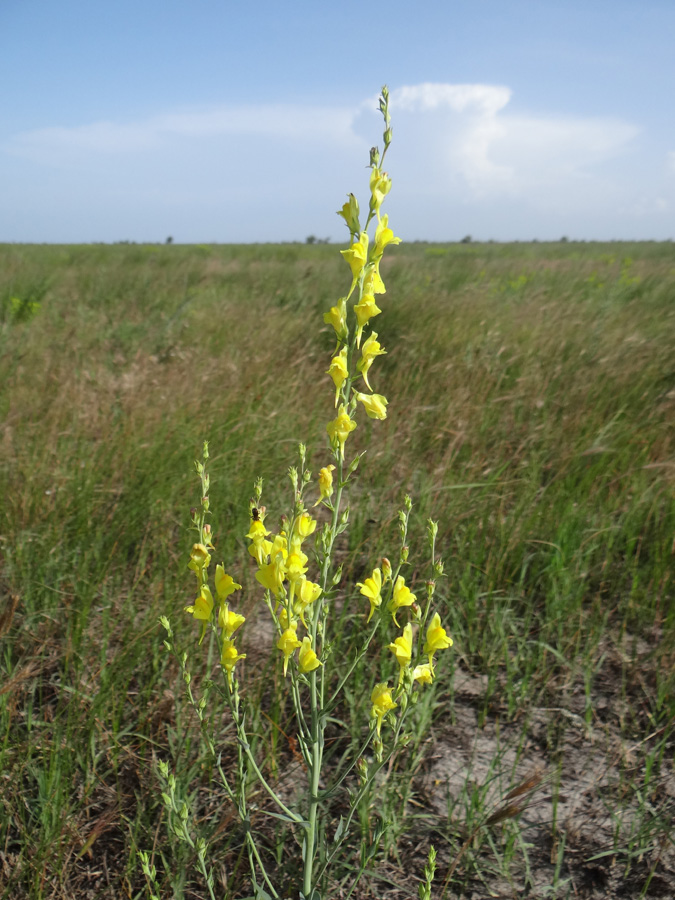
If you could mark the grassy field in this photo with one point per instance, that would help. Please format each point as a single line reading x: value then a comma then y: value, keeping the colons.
x: 532, y: 413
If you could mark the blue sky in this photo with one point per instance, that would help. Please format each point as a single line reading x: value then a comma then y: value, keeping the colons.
x: 209, y: 121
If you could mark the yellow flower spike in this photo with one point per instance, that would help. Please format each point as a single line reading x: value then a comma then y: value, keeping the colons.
x: 225, y: 584
x: 384, y: 236
x: 375, y: 405
x: 229, y: 657
x: 357, y: 256
x: 202, y: 608
x: 338, y: 371
x: 288, y: 643
x: 437, y: 638
x: 402, y: 596
x: 325, y: 483
x: 371, y: 588
x: 229, y: 621
x: 340, y: 429
x: 382, y: 703
x: 365, y: 310
x: 199, y: 558
x: 307, y: 658
x: 424, y: 673
x: 371, y: 348
x: 402, y: 649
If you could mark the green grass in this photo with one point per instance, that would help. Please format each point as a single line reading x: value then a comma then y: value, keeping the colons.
x: 532, y: 403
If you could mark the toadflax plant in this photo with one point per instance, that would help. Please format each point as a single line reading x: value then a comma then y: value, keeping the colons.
x: 301, y: 585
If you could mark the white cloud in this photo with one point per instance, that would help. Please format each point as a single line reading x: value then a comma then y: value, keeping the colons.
x: 297, y: 123
x: 461, y: 154
x: 469, y: 130
x: 483, y: 99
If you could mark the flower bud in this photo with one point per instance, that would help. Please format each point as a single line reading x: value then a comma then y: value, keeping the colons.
x: 362, y: 769
x: 386, y: 569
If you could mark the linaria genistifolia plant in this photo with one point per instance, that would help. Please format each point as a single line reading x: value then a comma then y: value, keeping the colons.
x: 299, y: 580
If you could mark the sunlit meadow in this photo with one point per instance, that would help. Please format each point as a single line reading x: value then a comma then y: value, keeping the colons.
x: 531, y: 393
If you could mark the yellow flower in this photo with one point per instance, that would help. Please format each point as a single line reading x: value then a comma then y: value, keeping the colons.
x: 286, y: 621
x: 199, y: 558
x: 365, y: 310
x: 295, y: 570
x: 257, y: 530
x: 325, y: 483
x: 202, y: 608
x: 357, y: 256
x: 288, y: 643
x: 307, y: 658
x: 402, y: 649
x: 424, y: 673
x: 350, y: 213
x: 309, y: 592
x: 304, y: 526
x: 380, y: 185
x: 371, y: 348
x: 271, y: 575
x: 337, y: 317
x: 260, y: 551
x: 402, y: 596
x: 229, y: 621
x: 279, y: 546
x: 384, y: 236
x: 382, y: 703
x: 375, y: 405
x: 338, y: 371
x: 340, y: 429
x: 260, y: 548
x: 229, y: 657
x: 437, y: 638
x: 372, y: 283
x: 203, y: 605
x: 371, y: 589
x: 225, y: 584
